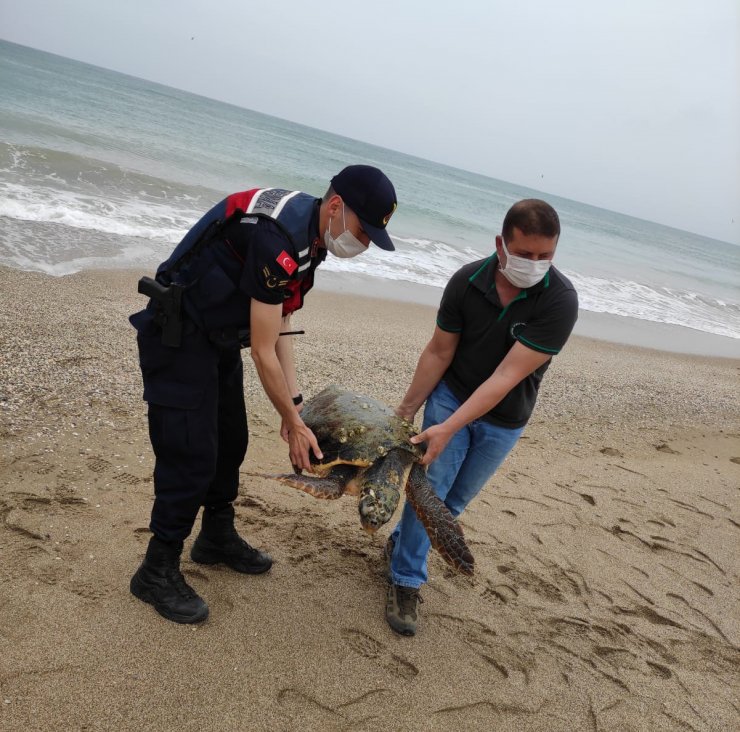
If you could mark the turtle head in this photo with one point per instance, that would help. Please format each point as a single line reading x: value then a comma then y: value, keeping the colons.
x: 377, y: 504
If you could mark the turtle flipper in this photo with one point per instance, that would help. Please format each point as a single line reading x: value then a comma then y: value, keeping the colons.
x: 316, y: 487
x: 443, y: 530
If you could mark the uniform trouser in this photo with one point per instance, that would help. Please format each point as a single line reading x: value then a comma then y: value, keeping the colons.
x: 197, y: 424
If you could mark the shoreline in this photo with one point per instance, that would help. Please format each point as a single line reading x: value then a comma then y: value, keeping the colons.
x: 606, y: 327
x: 600, y: 326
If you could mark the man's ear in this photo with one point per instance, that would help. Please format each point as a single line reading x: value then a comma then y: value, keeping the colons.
x: 334, y: 205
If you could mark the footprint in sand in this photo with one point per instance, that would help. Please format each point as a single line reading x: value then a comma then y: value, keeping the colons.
x: 92, y: 591
x: 195, y: 574
x: 401, y: 667
x: 499, y: 593
x: 367, y: 647
x: 98, y: 465
x: 142, y: 532
x: 127, y: 478
x: 611, y: 452
x: 43, y: 468
x: 259, y: 506
x: 533, y: 582
x: 362, y: 644
x: 357, y: 713
x: 66, y: 496
x: 513, y: 663
x: 659, y: 669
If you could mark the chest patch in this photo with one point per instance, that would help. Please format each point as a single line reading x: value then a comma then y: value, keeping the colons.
x: 516, y: 328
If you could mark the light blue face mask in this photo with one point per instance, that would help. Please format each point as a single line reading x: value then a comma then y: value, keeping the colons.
x: 523, y: 272
x: 346, y: 245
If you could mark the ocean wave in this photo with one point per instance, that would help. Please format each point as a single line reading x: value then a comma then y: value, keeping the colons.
x: 421, y: 261
x: 127, y: 257
x: 130, y: 231
x: 658, y: 304
x: 433, y: 263
x: 143, y: 219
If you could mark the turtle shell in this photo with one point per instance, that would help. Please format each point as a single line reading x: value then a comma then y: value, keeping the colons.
x: 354, y: 429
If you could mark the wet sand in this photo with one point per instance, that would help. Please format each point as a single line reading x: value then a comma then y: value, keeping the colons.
x: 606, y: 588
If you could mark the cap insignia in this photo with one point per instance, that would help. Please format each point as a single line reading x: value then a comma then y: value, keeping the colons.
x: 387, y: 217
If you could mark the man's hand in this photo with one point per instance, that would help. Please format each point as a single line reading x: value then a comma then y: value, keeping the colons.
x: 405, y: 413
x: 284, y: 426
x: 436, y: 438
x: 301, y: 440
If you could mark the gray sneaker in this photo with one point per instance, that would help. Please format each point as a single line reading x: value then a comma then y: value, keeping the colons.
x: 400, y: 608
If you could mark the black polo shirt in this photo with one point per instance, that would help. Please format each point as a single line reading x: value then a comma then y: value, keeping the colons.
x: 540, y: 317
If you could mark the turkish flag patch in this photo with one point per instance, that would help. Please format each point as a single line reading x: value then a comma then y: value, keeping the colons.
x: 286, y: 262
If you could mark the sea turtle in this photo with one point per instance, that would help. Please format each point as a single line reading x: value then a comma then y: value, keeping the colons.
x: 367, y: 453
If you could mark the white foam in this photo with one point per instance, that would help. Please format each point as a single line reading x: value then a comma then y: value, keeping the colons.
x: 156, y: 226
x: 415, y: 260
x: 126, y: 258
x: 433, y: 263
x: 658, y: 304
x: 126, y: 217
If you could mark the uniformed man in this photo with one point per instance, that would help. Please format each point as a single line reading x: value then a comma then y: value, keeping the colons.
x: 500, y: 322
x: 233, y: 280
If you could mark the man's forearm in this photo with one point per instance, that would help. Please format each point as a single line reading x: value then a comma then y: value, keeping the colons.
x: 519, y: 363
x: 273, y: 381
x: 482, y: 400
x: 429, y: 371
x: 285, y: 355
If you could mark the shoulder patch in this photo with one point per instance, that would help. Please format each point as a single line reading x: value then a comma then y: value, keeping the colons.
x: 272, y: 280
x: 286, y: 262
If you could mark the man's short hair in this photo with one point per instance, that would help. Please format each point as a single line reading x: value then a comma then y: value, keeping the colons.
x: 532, y: 217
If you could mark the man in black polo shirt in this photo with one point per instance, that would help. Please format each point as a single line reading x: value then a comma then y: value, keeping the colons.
x: 500, y: 322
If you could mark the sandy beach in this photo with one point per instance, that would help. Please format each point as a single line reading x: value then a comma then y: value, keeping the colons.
x: 605, y: 596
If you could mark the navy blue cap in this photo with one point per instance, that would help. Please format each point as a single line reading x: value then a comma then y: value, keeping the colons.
x: 371, y: 195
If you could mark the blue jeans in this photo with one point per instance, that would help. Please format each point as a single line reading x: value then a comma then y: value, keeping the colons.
x: 471, y: 457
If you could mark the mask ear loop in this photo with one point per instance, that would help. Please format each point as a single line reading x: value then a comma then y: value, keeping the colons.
x: 506, y: 252
x: 344, y: 225
x: 332, y: 219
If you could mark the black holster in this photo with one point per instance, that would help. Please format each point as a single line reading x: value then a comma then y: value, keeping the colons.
x: 169, y: 309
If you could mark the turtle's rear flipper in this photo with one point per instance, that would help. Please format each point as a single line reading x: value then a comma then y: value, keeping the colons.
x: 443, y: 531
x: 316, y: 487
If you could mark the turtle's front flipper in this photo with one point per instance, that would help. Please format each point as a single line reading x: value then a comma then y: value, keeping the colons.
x: 331, y: 486
x: 316, y: 487
x: 443, y: 531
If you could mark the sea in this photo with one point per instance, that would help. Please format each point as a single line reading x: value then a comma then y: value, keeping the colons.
x: 101, y: 170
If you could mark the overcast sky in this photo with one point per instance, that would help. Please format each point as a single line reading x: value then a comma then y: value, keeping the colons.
x: 631, y: 105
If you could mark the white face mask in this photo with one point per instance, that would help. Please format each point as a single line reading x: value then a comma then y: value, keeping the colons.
x: 523, y: 272
x: 346, y: 245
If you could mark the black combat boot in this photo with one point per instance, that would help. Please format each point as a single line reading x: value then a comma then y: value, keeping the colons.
x: 218, y: 543
x: 159, y: 582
